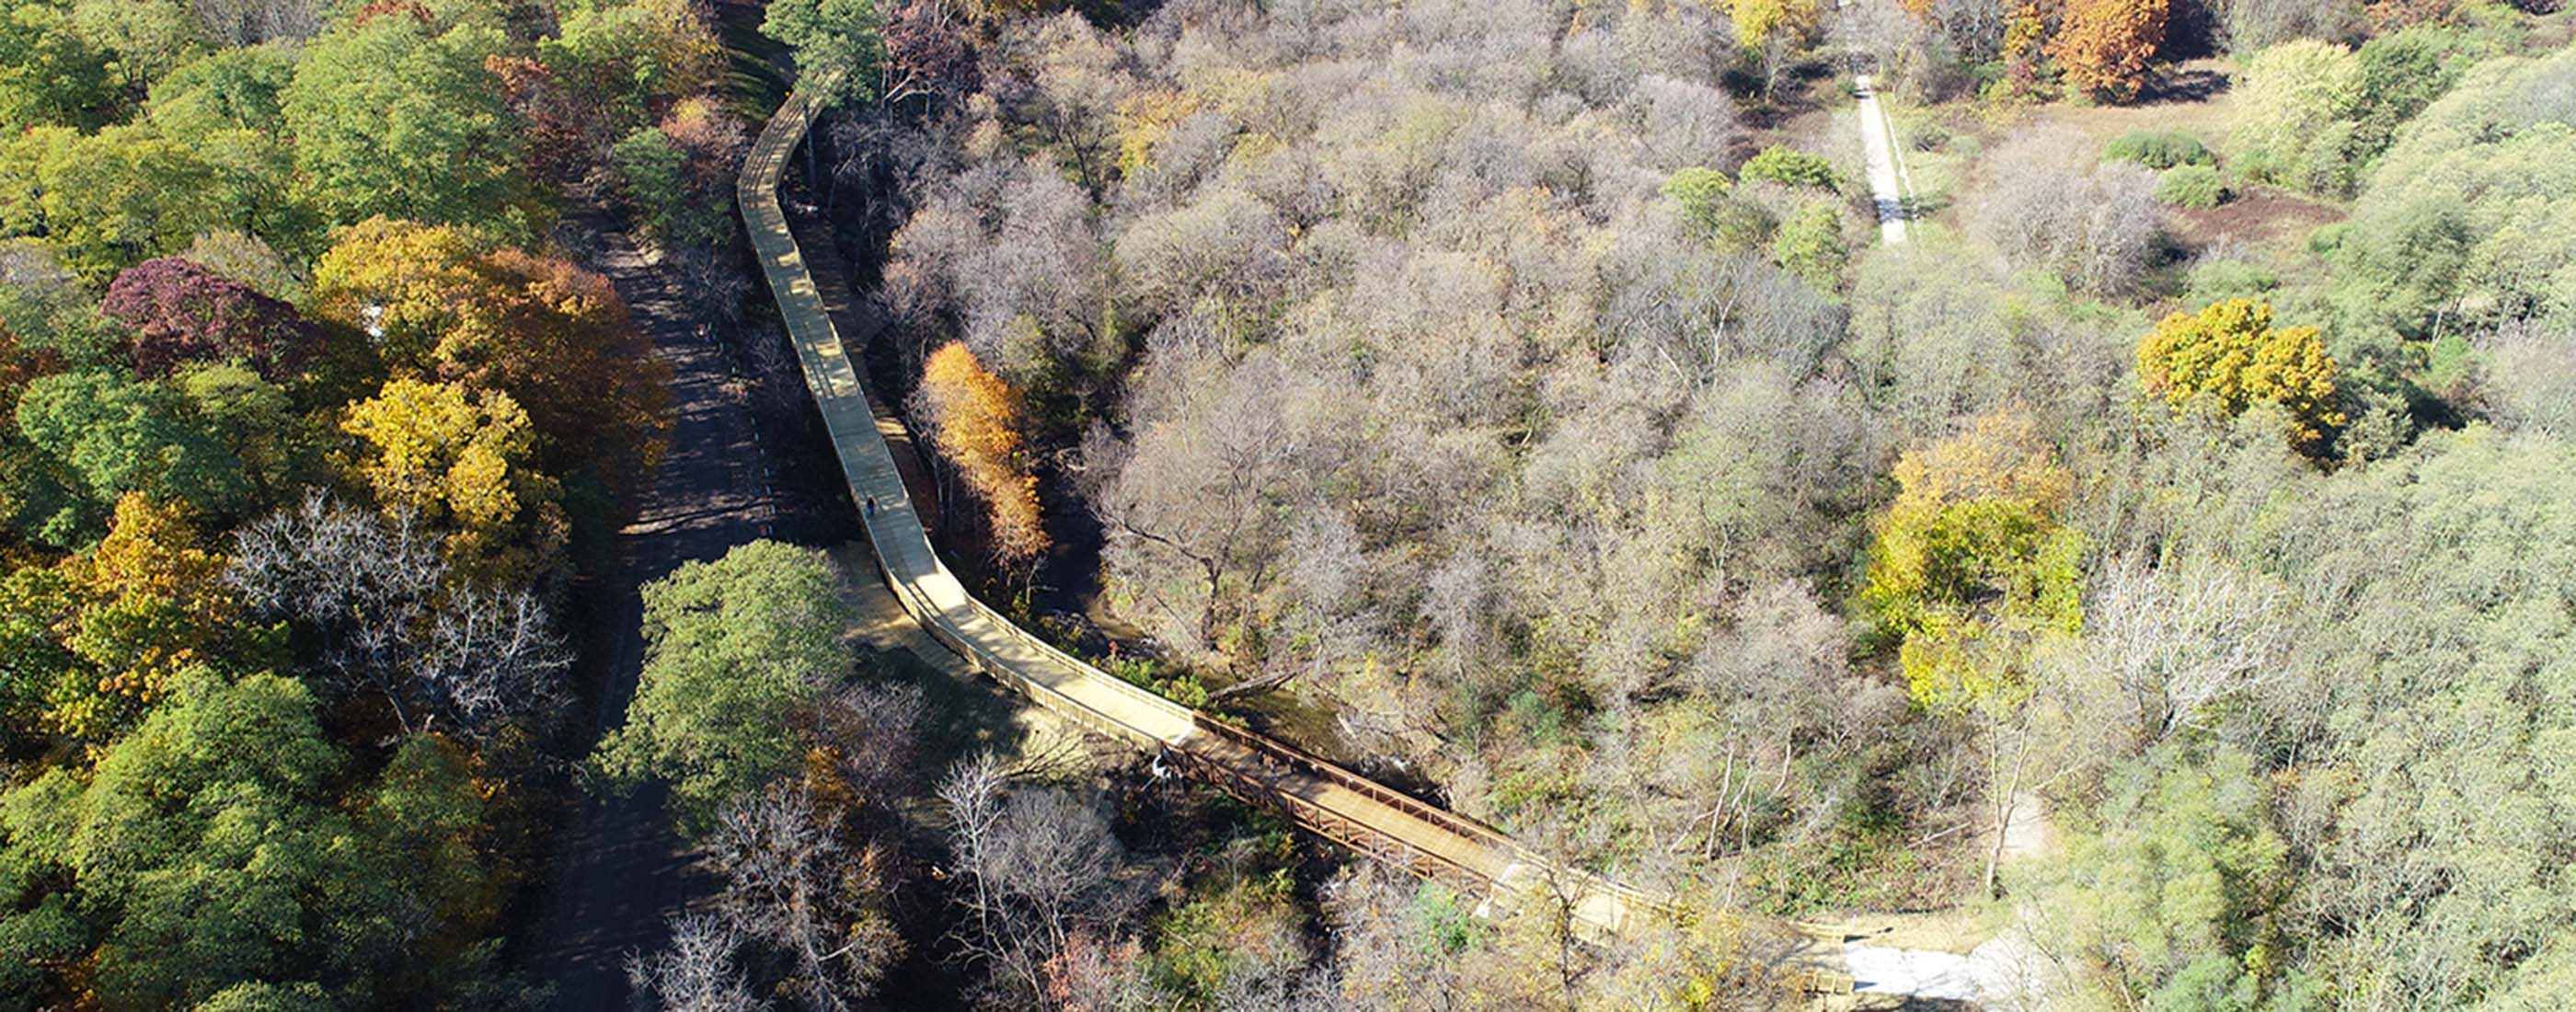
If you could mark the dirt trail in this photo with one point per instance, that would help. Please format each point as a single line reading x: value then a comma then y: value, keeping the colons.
x: 1889, y: 183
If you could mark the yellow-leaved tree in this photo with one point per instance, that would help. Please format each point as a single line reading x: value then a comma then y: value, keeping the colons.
x: 458, y: 460
x: 977, y: 420
x: 444, y: 302
x: 151, y: 604
x: 1977, y: 578
x: 2230, y: 357
x: 1757, y: 20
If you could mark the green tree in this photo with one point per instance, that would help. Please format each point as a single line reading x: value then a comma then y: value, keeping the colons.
x: 229, y: 110
x: 393, y: 116
x: 1811, y: 245
x: 236, y: 89
x: 2173, y: 897
x: 2296, y: 129
x: 208, y: 856
x: 735, y: 650
x: 1789, y: 166
x: 1707, y: 203
x: 109, y: 200
x: 2401, y: 74
x: 2461, y: 228
x: 625, y: 61
x: 49, y: 71
x: 146, y: 37
x: 119, y: 437
x: 281, y: 448
x: 844, y: 37
x: 652, y: 175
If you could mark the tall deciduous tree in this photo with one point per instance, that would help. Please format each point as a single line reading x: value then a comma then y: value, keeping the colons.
x: 207, y: 860
x: 50, y: 72
x: 977, y: 419
x: 2230, y: 355
x: 843, y: 37
x: 1976, y: 577
x: 387, y: 617
x: 121, y: 437
x: 394, y: 114
x: 459, y: 460
x: 108, y: 200
x: 2105, y: 45
x: 181, y: 312
x: 554, y: 337
x: 150, y: 607
x: 736, y: 650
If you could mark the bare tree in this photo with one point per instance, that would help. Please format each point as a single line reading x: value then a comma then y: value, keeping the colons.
x: 2253, y: 24
x: 1038, y: 868
x: 2178, y: 639
x: 791, y: 883
x: 379, y: 600
x: 1203, y: 483
x: 2530, y: 377
x: 1384, y: 961
x: 871, y: 731
x: 695, y: 973
x: 2049, y: 202
x: 1686, y: 123
x: 250, y: 22
x: 1975, y: 28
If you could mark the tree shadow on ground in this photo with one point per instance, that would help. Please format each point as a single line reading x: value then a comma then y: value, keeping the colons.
x: 2184, y: 86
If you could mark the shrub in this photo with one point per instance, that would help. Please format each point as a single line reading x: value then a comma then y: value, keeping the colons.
x: 2094, y: 224
x: 2222, y: 278
x: 1708, y: 205
x: 2159, y: 149
x: 1790, y: 167
x: 1811, y: 245
x: 1699, y: 192
x: 2191, y: 186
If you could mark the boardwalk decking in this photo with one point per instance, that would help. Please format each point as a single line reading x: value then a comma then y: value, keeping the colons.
x: 1319, y: 796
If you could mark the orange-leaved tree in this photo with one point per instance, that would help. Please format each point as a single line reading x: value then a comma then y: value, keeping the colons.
x: 2230, y: 356
x: 2105, y: 45
x: 443, y: 301
x: 977, y: 421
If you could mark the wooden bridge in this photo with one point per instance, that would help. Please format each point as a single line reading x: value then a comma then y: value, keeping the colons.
x: 1319, y: 796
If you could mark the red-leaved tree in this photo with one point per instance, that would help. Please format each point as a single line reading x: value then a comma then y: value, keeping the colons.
x: 180, y: 312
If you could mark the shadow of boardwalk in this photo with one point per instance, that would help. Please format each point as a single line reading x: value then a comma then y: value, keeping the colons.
x: 618, y: 869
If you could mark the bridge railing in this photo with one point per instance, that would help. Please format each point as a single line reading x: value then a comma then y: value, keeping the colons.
x: 1284, y: 754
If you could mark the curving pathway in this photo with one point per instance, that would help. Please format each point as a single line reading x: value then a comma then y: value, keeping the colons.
x: 1320, y: 796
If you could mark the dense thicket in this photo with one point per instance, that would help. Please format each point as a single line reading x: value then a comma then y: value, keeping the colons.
x: 1458, y: 370
x: 299, y: 416
x: 1513, y: 384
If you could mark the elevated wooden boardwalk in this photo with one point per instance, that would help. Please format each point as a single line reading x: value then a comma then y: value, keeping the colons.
x: 1321, y: 797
